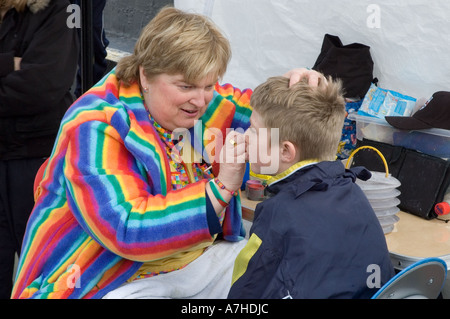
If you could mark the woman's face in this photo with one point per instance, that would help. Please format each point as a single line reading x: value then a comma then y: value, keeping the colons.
x: 173, y: 102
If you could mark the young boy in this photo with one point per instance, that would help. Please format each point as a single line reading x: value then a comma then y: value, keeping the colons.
x: 316, y: 236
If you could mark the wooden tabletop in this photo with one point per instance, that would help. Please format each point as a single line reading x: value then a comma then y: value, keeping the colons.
x: 415, y: 238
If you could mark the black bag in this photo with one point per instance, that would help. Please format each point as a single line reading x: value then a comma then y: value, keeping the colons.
x: 424, y: 178
x: 351, y: 63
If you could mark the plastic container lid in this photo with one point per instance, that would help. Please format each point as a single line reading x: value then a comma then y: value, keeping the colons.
x: 385, y: 203
x: 378, y: 181
x: 388, y: 229
x: 390, y: 220
x: 382, y: 194
x: 384, y: 212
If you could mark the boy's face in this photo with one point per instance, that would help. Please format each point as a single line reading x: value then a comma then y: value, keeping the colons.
x: 263, y: 155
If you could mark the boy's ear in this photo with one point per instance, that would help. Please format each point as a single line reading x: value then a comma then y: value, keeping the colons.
x: 288, y: 152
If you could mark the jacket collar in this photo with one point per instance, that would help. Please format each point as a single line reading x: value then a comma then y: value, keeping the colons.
x: 305, y: 176
x: 291, y: 170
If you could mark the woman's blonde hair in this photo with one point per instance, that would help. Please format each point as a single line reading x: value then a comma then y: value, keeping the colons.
x: 311, y: 118
x: 176, y: 42
x: 19, y: 5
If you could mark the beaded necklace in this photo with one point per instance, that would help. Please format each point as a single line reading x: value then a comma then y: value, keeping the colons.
x: 182, y: 173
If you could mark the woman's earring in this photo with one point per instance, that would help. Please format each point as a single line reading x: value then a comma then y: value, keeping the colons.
x: 145, y: 90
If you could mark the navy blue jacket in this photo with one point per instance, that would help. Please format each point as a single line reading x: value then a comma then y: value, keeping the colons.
x: 317, y: 237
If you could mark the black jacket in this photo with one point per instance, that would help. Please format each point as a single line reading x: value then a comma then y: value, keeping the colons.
x: 317, y: 237
x: 34, y: 99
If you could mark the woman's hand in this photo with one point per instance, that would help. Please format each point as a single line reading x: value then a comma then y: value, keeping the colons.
x: 233, y: 157
x: 296, y: 75
x: 17, y: 62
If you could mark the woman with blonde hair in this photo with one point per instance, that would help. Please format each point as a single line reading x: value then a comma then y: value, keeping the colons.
x: 38, y: 61
x: 140, y: 197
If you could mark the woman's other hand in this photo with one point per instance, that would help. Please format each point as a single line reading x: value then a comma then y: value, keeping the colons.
x: 296, y: 75
x: 17, y: 62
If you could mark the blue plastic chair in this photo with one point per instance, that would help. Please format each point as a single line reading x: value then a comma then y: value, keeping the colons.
x: 421, y: 280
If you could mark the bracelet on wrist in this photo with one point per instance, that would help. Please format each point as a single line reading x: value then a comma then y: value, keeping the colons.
x: 217, y: 194
x: 221, y: 186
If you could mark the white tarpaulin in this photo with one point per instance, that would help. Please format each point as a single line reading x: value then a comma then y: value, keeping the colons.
x: 409, y: 39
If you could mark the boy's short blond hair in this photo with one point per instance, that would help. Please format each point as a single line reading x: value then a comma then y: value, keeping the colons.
x: 310, y: 118
x: 177, y: 42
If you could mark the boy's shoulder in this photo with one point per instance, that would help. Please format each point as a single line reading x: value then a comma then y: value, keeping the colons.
x: 312, y: 189
x: 275, y: 211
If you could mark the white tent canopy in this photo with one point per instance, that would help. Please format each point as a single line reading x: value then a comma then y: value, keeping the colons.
x: 409, y: 39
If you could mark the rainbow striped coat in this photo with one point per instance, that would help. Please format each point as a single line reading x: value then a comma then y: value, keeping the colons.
x: 106, y: 203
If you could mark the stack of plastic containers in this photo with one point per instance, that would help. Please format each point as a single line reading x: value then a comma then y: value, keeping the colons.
x: 382, y: 193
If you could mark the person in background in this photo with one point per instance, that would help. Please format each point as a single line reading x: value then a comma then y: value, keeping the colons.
x: 38, y: 61
x: 99, y: 44
x: 316, y: 235
x: 124, y: 210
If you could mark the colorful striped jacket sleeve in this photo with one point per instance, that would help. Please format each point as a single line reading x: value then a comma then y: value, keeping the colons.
x: 106, y: 202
